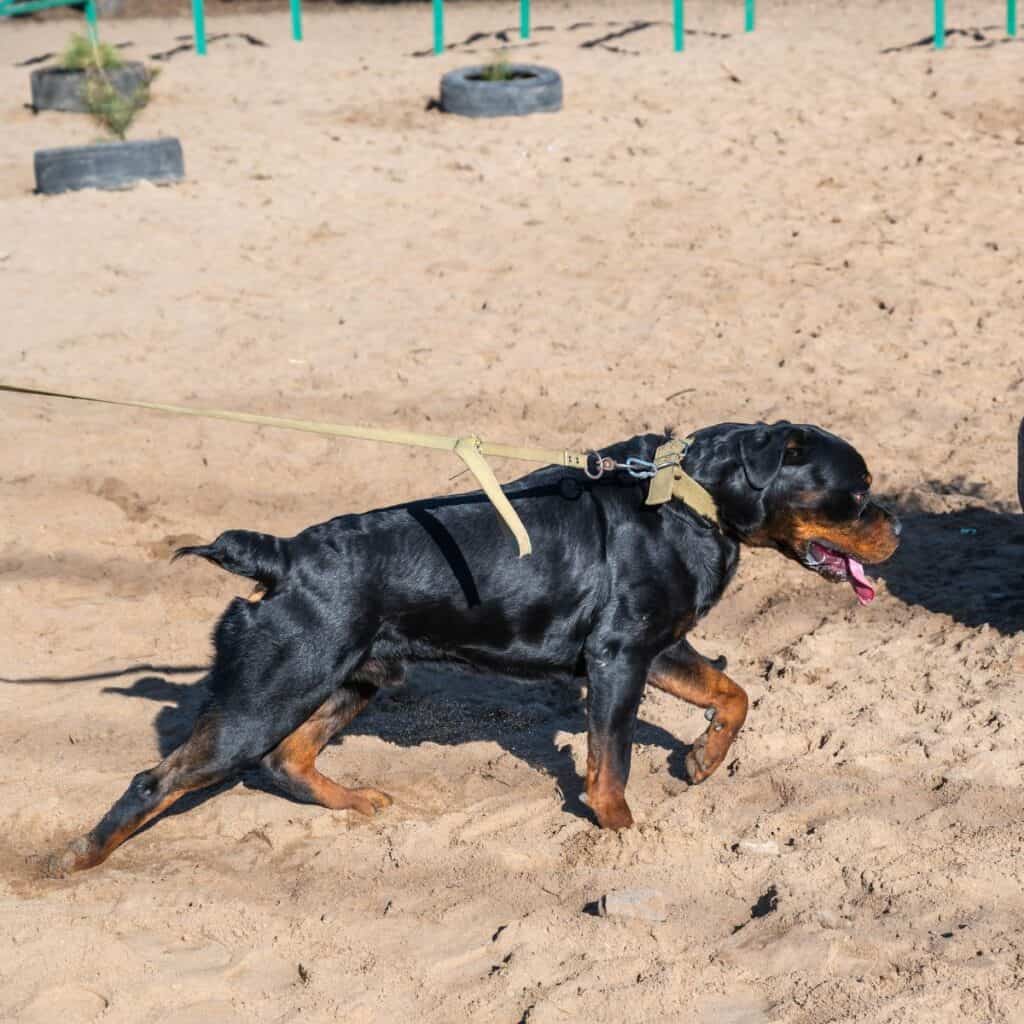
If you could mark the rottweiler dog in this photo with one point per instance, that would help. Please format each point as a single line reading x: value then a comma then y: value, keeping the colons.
x: 611, y: 591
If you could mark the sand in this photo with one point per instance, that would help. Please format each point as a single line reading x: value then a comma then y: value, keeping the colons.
x: 786, y: 225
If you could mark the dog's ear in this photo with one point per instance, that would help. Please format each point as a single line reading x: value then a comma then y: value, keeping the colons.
x: 762, y: 449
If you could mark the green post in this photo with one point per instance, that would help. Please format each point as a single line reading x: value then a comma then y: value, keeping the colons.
x: 940, y: 24
x: 749, y: 22
x: 678, y: 16
x: 297, y: 20
x: 438, y: 26
x: 199, y: 20
x: 1011, y: 17
x: 524, y: 19
x: 90, y: 20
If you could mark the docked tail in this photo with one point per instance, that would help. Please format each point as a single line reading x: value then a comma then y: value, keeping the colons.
x: 259, y: 556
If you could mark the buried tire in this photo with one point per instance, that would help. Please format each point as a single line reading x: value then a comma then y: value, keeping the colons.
x: 109, y: 165
x: 60, y: 89
x: 531, y: 89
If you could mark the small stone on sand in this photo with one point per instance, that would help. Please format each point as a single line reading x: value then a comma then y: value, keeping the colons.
x: 648, y: 904
x: 758, y: 847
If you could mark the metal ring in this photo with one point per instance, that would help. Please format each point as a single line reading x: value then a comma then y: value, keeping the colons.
x: 600, y: 465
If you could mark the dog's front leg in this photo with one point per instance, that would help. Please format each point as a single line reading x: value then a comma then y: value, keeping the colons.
x: 681, y: 671
x: 614, y: 688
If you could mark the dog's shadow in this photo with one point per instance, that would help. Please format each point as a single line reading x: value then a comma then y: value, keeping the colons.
x: 967, y: 564
x: 437, y: 704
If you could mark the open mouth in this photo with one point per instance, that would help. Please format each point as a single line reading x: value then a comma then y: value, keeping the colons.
x: 839, y: 567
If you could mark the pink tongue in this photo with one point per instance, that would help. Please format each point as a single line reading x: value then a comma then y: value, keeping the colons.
x: 863, y: 589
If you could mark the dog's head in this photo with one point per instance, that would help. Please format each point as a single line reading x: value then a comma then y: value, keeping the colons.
x: 801, y: 490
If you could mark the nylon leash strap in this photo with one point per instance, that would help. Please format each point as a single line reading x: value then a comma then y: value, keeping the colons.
x: 668, y: 479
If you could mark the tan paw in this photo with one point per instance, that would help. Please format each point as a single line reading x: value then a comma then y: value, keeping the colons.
x: 370, y: 801
x: 76, y: 856
x: 613, y: 814
x: 696, y: 766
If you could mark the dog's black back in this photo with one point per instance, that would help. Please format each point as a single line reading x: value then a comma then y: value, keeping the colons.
x: 441, y: 579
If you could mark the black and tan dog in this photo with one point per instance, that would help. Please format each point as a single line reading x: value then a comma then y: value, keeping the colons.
x: 611, y: 591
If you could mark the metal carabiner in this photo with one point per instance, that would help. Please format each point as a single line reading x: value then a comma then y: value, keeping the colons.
x: 639, y: 469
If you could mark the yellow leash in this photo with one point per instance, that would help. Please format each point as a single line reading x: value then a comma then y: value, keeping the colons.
x: 668, y: 478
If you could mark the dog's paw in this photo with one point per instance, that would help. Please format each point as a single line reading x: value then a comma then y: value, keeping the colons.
x: 615, y: 816
x: 696, y: 765
x: 78, y: 854
x: 370, y: 801
x: 610, y: 814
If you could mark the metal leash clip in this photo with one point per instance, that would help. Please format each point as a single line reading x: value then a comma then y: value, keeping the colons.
x: 640, y: 469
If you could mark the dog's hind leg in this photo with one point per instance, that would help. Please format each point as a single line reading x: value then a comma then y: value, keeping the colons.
x: 291, y: 765
x: 192, y: 766
x: 264, y: 685
x: 682, y: 672
x: 224, y: 741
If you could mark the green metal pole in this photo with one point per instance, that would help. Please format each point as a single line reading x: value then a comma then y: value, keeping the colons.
x: 940, y: 24
x: 91, y: 21
x: 749, y: 23
x: 297, y: 20
x: 524, y: 19
x: 678, y: 16
x: 1011, y: 17
x: 199, y: 20
x: 438, y: 26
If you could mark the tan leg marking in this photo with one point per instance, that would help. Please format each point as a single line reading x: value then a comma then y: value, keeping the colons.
x: 692, y: 679
x: 606, y: 791
x: 185, y: 770
x: 292, y: 761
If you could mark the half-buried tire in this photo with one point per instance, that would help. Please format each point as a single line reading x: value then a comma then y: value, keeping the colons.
x: 109, y: 165
x: 531, y: 89
x: 61, y: 89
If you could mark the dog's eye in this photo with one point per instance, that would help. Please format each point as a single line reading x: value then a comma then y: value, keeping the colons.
x: 794, y: 455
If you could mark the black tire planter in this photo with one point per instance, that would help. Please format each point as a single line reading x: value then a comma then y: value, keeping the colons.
x: 532, y: 89
x: 59, y: 89
x: 109, y: 165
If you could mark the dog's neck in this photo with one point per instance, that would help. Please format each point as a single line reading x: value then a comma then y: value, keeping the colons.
x: 711, y: 461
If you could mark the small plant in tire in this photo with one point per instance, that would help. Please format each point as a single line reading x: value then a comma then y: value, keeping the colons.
x: 112, y: 108
x: 114, y: 164
x: 501, y: 89
x: 84, y: 53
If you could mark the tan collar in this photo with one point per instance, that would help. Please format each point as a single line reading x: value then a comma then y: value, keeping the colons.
x: 670, y: 481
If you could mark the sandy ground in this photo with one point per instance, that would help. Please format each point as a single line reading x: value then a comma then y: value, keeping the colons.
x: 836, y: 237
